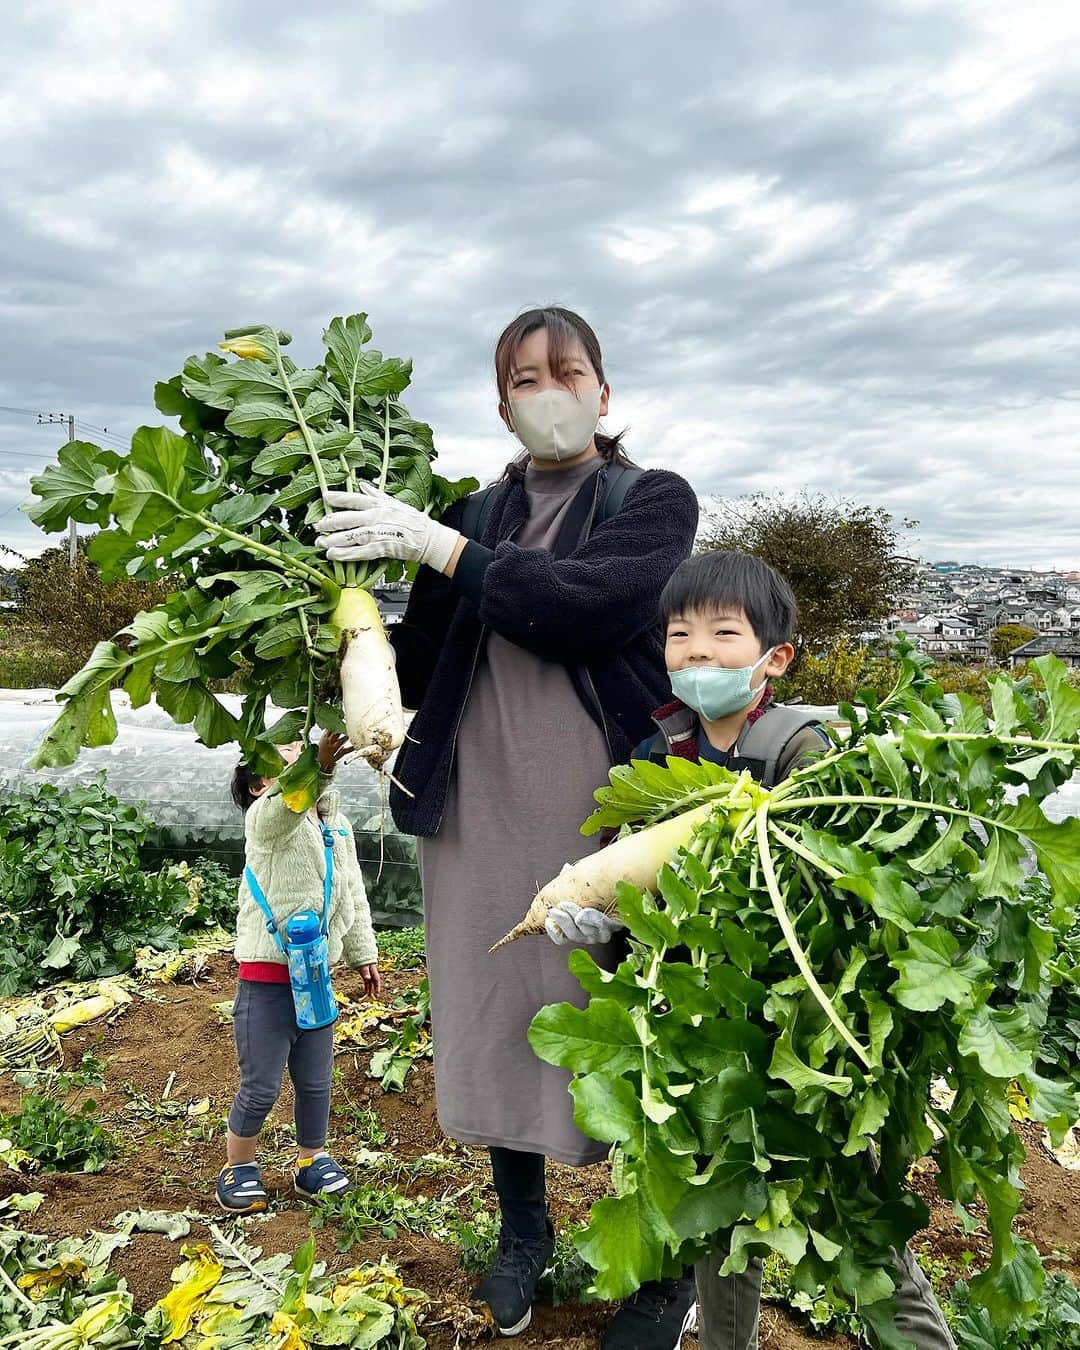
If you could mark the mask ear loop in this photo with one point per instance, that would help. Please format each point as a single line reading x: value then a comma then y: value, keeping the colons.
x: 759, y: 662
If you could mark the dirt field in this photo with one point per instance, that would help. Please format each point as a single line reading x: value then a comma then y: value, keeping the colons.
x: 166, y: 1166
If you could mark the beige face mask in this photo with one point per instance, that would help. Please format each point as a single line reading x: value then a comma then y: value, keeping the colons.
x: 554, y: 424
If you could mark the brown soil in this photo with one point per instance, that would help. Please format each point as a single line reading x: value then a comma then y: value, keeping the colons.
x: 167, y: 1164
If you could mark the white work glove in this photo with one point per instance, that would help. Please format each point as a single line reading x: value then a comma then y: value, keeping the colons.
x: 568, y: 923
x: 371, y: 524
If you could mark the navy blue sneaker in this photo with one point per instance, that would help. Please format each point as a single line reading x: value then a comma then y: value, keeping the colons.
x: 240, y: 1189
x: 319, y: 1176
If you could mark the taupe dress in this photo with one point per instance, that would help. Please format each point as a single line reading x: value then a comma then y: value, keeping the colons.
x: 529, y: 758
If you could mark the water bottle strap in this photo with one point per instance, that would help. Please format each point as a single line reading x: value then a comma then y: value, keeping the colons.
x: 328, y: 880
x: 259, y: 897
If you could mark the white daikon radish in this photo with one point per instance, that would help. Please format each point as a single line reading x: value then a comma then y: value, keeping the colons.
x: 371, y: 700
x: 592, y: 881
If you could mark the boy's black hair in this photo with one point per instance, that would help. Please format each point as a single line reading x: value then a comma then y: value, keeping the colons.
x: 240, y: 789
x: 736, y: 581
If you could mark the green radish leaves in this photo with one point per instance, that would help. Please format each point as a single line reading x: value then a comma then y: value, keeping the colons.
x: 78, y: 487
x: 728, y: 1081
x: 226, y: 510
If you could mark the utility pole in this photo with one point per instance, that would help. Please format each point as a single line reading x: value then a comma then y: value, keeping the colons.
x: 73, y: 536
x: 46, y: 419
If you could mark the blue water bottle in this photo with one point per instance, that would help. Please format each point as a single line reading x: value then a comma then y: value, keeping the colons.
x: 309, y: 971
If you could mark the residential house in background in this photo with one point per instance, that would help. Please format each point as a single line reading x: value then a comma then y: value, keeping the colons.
x: 1065, y: 648
x: 952, y: 609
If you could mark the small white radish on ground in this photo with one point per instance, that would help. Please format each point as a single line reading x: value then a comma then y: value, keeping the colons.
x: 592, y: 882
x: 371, y: 699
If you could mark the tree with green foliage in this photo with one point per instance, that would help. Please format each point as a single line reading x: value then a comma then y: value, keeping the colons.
x: 1008, y: 637
x: 73, y: 604
x: 843, y: 559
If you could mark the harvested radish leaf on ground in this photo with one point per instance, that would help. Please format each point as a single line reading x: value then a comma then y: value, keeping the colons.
x: 813, y: 959
x: 227, y: 510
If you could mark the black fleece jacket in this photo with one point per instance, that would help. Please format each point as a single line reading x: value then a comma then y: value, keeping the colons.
x: 590, y: 604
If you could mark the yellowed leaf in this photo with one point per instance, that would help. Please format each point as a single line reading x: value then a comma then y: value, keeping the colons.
x: 284, y: 1326
x: 40, y: 1283
x: 1017, y: 1102
x: 197, y: 1276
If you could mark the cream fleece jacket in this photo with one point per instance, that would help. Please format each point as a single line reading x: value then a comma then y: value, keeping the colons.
x: 285, y: 851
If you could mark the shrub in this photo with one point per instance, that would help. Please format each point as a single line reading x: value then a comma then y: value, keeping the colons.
x: 28, y: 660
x: 64, y: 610
x: 213, y: 895
x: 73, y: 606
x: 71, y: 884
x: 57, y: 1139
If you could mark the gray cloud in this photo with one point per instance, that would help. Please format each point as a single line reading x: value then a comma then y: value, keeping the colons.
x: 830, y: 246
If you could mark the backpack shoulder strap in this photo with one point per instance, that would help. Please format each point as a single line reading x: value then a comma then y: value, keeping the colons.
x: 768, y: 738
x: 618, y: 480
x: 656, y: 748
x: 477, y: 512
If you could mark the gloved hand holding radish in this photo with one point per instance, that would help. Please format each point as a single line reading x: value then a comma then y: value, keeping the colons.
x: 369, y: 524
x: 570, y: 923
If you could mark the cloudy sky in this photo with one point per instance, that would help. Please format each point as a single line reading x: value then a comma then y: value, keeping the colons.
x: 830, y: 245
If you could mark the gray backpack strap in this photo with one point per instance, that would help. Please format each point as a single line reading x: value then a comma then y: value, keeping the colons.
x: 766, y: 739
x: 618, y: 480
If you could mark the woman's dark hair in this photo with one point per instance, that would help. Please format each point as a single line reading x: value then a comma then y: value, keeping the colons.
x: 244, y: 780
x: 737, y: 581
x: 564, y: 330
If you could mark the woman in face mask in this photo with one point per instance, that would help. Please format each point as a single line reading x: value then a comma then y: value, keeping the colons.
x: 534, y: 658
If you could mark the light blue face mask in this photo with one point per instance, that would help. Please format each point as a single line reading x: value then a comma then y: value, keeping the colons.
x: 716, y: 691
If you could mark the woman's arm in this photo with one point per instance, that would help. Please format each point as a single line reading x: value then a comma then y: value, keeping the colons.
x: 600, y: 597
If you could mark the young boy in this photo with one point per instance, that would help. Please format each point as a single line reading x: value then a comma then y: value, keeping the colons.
x: 730, y: 621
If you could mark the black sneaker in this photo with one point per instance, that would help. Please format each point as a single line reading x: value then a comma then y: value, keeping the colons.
x: 509, y: 1287
x: 657, y: 1317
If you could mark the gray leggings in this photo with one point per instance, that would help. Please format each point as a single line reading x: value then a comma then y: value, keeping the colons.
x: 728, y: 1306
x: 268, y: 1039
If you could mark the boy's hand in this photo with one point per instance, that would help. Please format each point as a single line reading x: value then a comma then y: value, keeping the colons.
x: 372, y: 981
x: 332, y: 748
x: 569, y: 923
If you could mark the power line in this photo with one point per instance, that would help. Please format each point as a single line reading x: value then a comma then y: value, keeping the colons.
x: 51, y: 419
x: 8, y: 510
x: 104, y: 431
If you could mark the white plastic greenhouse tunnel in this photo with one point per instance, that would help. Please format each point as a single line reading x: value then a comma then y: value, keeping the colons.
x: 184, y: 789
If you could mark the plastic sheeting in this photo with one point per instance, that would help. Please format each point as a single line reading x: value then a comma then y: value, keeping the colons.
x: 184, y: 789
